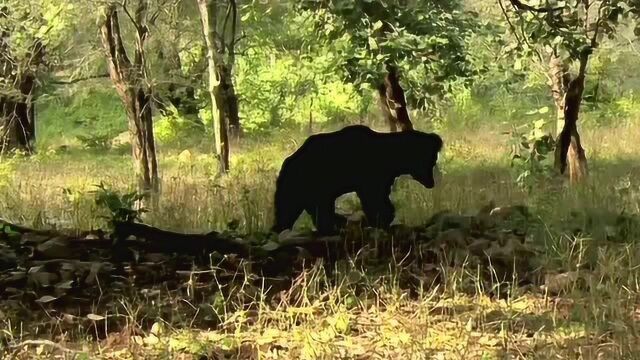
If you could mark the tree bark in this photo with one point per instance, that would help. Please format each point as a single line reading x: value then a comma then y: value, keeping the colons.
x: 128, y: 78
x: 384, y: 107
x: 568, y: 95
x: 230, y: 101
x: 560, y: 78
x: 17, y: 124
x: 17, y: 106
x: 392, y: 101
x: 217, y: 71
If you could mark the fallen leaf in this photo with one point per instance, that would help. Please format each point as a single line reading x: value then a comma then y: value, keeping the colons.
x: 95, y: 317
x: 46, y: 299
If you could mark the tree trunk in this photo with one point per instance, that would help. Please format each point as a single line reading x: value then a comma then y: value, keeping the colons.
x: 560, y: 78
x: 17, y: 107
x: 217, y: 72
x: 393, y: 102
x: 569, y: 150
x: 384, y: 106
x: 230, y: 101
x: 17, y: 124
x: 128, y: 78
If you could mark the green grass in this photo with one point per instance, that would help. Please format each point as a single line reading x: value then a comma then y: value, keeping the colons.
x: 358, y: 313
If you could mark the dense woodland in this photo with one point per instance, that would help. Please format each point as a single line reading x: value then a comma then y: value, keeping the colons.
x: 140, y: 142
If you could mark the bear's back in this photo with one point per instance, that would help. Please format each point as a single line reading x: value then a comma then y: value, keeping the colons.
x: 342, y: 150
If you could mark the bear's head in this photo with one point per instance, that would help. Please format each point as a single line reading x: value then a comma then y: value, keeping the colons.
x: 423, y: 149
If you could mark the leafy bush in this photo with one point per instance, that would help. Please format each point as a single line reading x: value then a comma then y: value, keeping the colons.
x: 616, y: 112
x: 122, y: 207
x: 85, y: 113
x: 95, y: 141
x: 177, y: 130
x: 531, y: 153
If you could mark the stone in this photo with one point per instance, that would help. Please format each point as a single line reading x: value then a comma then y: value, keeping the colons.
x: 33, y: 238
x: 121, y: 140
x: 452, y: 238
x: 8, y: 259
x: 54, y: 248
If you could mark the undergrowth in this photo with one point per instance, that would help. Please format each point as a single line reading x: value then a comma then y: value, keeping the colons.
x: 586, y: 308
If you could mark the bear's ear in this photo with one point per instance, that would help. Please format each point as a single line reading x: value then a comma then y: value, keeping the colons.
x: 436, y: 142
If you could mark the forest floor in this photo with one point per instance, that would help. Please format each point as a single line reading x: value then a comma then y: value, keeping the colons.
x: 558, y: 278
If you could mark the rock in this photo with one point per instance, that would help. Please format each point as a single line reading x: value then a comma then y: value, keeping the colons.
x: 15, y: 278
x: 33, y: 238
x: 42, y: 279
x: 8, y: 259
x: 54, y: 248
x: 452, y: 238
x: 508, y: 212
x: 446, y: 221
x: 121, y: 140
x: 185, y: 157
x: 67, y: 271
x: 285, y: 235
x: 477, y: 247
x: 555, y: 283
x: 486, y: 210
x: 356, y: 217
x: 463, y: 222
x: 435, y: 218
x: 156, y: 258
x: 404, y: 232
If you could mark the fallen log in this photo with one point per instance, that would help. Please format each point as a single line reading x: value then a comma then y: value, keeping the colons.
x: 23, y: 229
x: 173, y: 242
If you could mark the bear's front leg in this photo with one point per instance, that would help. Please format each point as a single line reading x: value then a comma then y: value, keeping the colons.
x: 325, y: 218
x: 378, y: 208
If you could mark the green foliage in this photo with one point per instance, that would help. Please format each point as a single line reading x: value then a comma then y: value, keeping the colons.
x: 88, y: 113
x: 425, y: 40
x: 95, y: 141
x: 532, y: 152
x: 286, y: 80
x: 46, y: 21
x: 177, y: 130
x: 571, y: 28
x: 122, y: 207
x: 621, y: 111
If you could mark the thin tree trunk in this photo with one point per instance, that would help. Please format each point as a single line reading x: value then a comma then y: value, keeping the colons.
x: 393, y: 102
x: 569, y: 150
x: 230, y: 101
x: 128, y: 78
x: 208, y: 16
x: 560, y: 78
x: 384, y: 106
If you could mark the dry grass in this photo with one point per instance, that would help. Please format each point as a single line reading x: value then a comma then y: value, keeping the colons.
x: 358, y: 314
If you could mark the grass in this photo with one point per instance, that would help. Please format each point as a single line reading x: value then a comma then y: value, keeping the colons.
x: 390, y: 311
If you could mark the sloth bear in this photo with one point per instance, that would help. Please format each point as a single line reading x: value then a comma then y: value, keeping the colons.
x: 355, y: 158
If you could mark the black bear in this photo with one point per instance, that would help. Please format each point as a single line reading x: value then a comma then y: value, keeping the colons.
x: 353, y: 159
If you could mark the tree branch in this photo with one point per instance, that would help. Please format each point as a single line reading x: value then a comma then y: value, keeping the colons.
x: 126, y: 11
x: 511, y: 26
x: 233, y: 41
x: 76, y: 80
x: 522, y: 6
x: 223, y: 35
